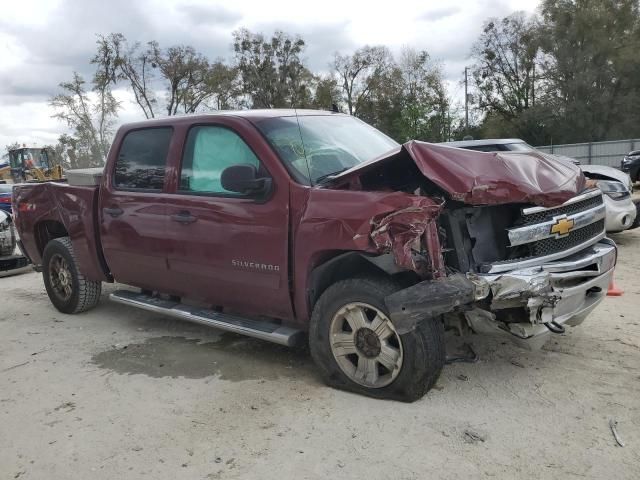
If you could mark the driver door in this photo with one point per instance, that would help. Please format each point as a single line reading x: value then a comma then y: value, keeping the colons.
x: 228, y: 249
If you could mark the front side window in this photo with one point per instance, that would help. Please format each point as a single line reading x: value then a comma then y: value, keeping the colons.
x: 208, y: 151
x: 142, y: 158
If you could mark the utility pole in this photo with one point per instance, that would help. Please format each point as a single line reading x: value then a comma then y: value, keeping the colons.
x: 466, y: 100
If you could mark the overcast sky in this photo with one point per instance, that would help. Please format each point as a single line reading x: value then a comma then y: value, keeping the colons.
x: 43, y: 41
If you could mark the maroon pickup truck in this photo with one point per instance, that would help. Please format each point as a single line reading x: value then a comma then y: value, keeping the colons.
x: 295, y: 226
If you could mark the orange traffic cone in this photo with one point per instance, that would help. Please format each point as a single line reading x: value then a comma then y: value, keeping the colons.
x: 614, y: 290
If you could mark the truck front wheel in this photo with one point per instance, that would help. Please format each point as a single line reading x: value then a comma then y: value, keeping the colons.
x: 68, y: 289
x: 357, y: 348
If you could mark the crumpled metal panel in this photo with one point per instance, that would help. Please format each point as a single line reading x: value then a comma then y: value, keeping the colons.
x: 399, y: 232
x: 333, y: 221
x: 428, y: 299
x: 479, y: 178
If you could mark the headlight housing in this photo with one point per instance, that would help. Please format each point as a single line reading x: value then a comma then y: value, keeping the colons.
x: 614, y: 190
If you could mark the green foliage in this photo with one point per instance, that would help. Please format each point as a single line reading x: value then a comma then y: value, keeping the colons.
x: 406, y: 99
x: 272, y: 71
x: 592, y: 67
x: 568, y: 75
x: 504, y: 70
x: 90, y: 119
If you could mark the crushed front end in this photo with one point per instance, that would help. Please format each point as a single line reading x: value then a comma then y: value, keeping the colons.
x: 532, y: 270
x: 503, y: 242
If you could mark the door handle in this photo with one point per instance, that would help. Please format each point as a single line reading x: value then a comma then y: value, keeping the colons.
x: 113, y: 211
x: 184, y: 217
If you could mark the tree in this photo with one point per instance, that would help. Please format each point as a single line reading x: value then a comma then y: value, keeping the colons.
x: 190, y: 82
x: 224, y: 85
x: 12, y: 146
x: 591, y: 64
x: 327, y: 92
x: 383, y: 103
x: 273, y: 74
x: 185, y: 72
x: 129, y: 63
x: 504, y: 72
x: 406, y: 99
x: 358, y: 73
x: 91, y: 121
x: 425, y: 106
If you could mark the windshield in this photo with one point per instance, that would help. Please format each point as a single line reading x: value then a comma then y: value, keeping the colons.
x: 30, y: 158
x: 313, y: 147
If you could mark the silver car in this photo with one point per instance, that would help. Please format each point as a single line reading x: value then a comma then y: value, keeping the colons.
x: 7, y: 235
x: 621, y: 212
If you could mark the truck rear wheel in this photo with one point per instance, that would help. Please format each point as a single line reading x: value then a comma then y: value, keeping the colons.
x: 68, y: 289
x: 357, y: 348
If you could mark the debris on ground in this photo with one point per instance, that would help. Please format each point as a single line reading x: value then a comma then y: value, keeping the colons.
x: 612, y: 425
x: 471, y: 436
x: 468, y: 355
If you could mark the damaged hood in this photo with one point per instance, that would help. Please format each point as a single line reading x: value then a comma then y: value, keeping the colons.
x: 479, y: 178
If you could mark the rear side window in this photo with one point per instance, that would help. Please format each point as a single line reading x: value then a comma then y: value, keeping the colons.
x: 209, y: 150
x: 142, y: 158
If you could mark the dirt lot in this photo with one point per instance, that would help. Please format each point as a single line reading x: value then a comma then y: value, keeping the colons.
x: 119, y: 393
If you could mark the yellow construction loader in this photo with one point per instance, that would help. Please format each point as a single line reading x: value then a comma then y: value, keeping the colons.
x: 34, y: 164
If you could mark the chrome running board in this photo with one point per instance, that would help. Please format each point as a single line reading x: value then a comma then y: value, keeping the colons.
x: 269, y: 331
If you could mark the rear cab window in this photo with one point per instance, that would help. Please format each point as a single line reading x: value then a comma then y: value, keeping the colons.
x: 142, y: 159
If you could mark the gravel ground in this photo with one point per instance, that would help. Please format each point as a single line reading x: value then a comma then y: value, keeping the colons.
x: 120, y: 393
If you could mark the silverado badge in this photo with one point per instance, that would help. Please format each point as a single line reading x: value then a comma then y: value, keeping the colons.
x: 562, y: 227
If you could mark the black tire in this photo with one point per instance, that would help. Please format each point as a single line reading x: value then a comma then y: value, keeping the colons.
x: 636, y: 221
x: 423, y: 349
x: 83, y: 294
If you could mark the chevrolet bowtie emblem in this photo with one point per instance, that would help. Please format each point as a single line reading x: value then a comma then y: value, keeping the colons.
x: 562, y: 227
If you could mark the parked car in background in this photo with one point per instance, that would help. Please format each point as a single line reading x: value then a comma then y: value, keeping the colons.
x: 7, y: 235
x: 5, y: 196
x: 631, y: 165
x: 10, y: 259
x: 616, y: 185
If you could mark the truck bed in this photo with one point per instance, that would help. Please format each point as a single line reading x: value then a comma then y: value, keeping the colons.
x: 49, y: 210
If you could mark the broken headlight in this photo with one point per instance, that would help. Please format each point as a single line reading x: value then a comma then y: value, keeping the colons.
x: 613, y: 189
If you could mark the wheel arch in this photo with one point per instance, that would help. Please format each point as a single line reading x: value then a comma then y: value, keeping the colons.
x: 47, y: 230
x: 348, y: 265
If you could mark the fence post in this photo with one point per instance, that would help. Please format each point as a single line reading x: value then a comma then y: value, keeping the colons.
x: 590, y: 153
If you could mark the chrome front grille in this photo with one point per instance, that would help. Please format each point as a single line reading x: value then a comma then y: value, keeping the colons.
x: 549, y: 246
x: 546, y: 234
x: 541, y: 215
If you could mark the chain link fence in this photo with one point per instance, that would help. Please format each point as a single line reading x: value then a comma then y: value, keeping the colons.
x: 595, y: 153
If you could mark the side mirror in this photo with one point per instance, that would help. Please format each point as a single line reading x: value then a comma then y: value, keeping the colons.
x: 243, y: 179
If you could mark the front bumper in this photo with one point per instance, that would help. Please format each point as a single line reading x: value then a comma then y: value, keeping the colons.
x: 516, y: 303
x: 563, y: 292
x: 620, y: 214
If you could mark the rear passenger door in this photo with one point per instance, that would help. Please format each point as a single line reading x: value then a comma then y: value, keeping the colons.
x: 228, y: 249
x: 133, y: 210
